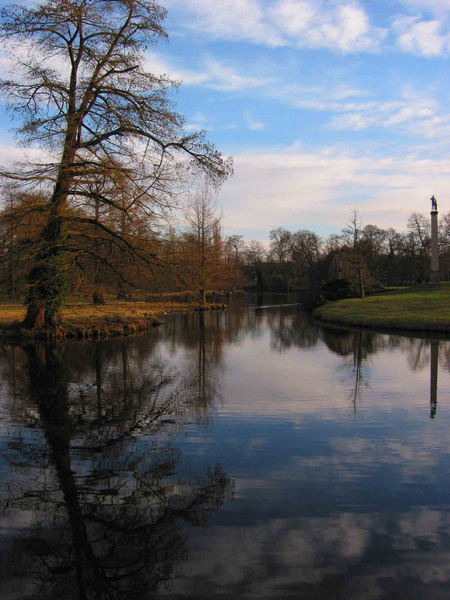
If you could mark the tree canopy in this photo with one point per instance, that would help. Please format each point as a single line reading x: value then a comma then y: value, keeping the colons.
x: 108, y: 128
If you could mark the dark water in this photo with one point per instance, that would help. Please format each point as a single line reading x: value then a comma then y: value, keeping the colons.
x: 246, y: 454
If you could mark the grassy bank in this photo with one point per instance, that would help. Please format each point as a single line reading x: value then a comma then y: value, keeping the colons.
x: 84, y: 320
x: 416, y: 309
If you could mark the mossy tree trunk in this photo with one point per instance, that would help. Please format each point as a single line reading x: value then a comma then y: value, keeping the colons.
x: 48, y: 278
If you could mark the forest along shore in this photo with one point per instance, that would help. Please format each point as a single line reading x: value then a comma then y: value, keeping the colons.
x: 411, y: 309
x: 86, y: 320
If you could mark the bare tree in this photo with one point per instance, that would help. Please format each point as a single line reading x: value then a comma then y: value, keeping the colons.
x: 353, y: 236
x: 236, y: 243
x: 281, y: 252
x: 232, y: 259
x: 254, y: 257
x: 280, y: 245
x: 444, y: 245
x: 84, y: 96
x: 420, y: 244
x: 201, y: 246
x: 305, y: 251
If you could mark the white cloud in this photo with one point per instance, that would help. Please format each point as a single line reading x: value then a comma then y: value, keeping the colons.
x: 300, y: 23
x: 324, y: 25
x: 158, y: 65
x: 294, y: 17
x: 425, y: 38
x: 195, y: 126
x: 407, y: 113
x: 293, y: 188
x: 228, y: 19
x: 10, y: 154
x: 5, y: 65
x: 437, y: 126
x: 437, y: 7
x: 307, y: 552
x: 356, y: 121
x: 346, y: 26
x: 343, y: 92
x: 412, y: 113
x: 212, y: 74
x: 351, y: 108
x: 334, y: 99
x: 225, y: 78
x: 199, y: 121
x: 200, y: 117
x: 252, y: 123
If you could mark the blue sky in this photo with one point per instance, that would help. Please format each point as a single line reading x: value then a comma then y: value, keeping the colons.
x: 326, y: 106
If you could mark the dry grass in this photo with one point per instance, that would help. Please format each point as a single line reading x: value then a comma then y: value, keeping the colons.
x: 11, y: 313
x: 89, y: 320
x: 123, y: 310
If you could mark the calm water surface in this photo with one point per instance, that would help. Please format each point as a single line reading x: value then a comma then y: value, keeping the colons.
x: 246, y: 454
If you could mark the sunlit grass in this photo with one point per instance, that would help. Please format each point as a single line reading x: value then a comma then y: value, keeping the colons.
x: 88, y: 317
x: 426, y: 308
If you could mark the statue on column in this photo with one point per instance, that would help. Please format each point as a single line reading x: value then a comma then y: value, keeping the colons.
x: 434, y: 270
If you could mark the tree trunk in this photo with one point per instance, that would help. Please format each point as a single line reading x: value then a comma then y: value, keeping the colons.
x: 11, y: 273
x: 35, y: 318
x: 361, y: 283
x: 48, y: 277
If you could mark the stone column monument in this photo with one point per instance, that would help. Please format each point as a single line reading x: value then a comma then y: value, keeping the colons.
x: 434, y: 274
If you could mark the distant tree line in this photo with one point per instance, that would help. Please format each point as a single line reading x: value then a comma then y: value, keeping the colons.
x: 364, y: 256
x: 110, y: 252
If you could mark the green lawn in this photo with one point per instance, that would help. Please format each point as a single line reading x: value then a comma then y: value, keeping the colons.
x: 425, y: 308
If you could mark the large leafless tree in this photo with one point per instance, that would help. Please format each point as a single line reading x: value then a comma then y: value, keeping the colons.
x: 84, y: 95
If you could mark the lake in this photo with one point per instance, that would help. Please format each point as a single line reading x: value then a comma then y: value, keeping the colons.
x: 249, y: 453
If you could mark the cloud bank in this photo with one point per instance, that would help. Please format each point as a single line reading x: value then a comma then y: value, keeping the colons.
x: 346, y: 27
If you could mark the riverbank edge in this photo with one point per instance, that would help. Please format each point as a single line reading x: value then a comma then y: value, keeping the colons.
x: 332, y: 312
x: 102, y: 326
x: 384, y: 324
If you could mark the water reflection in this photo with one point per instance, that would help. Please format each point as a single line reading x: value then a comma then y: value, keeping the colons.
x: 434, y: 377
x: 292, y: 330
x: 359, y: 345
x: 106, y: 504
x: 321, y: 436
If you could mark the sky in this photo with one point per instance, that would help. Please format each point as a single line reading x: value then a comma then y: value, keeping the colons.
x: 326, y: 106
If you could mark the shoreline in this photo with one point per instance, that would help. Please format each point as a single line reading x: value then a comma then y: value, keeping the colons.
x: 420, y: 310
x: 88, y: 321
x: 385, y: 324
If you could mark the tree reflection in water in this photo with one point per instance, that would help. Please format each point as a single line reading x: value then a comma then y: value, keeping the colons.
x: 361, y: 344
x: 109, y: 502
x: 292, y: 330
